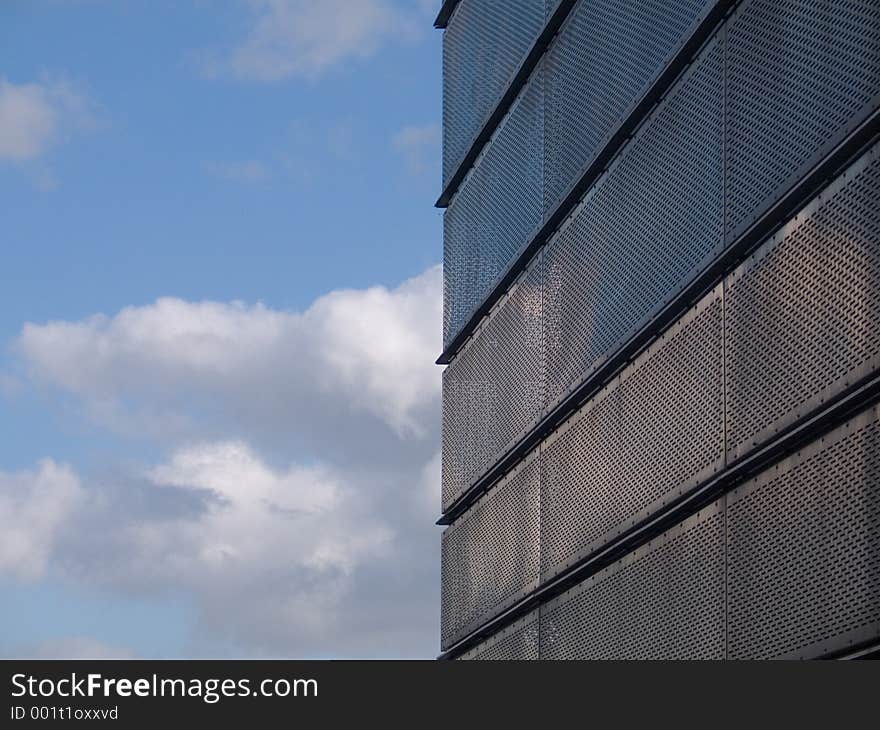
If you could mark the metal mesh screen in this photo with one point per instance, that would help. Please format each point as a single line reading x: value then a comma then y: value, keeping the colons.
x: 492, y: 392
x: 803, y: 314
x: 788, y: 564
x: 483, y: 45
x: 663, y: 601
x: 604, y: 58
x: 490, y: 554
x: 654, y: 216
x: 804, y: 548
x: 658, y: 429
x: 495, y: 211
x: 797, y: 72
x: 518, y: 641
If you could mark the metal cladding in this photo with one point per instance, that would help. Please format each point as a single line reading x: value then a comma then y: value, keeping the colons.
x: 661, y: 430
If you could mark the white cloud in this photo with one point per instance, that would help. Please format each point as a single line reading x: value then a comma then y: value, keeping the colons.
x: 292, y: 538
x: 303, y: 38
x: 292, y: 561
x: 34, y: 506
x: 369, y: 350
x: 295, y: 503
x: 419, y: 146
x: 34, y: 117
x: 296, y: 517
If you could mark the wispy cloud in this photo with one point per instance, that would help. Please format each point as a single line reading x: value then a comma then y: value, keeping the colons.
x: 419, y: 146
x: 70, y: 647
x: 245, y: 171
x: 35, y: 117
x: 305, y: 39
x: 34, y: 505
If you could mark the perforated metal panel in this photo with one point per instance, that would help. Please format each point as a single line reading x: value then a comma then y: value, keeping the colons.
x: 517, y: 642
x: 642, y: 229
x: 797, y: 72
x: 663, y: 601
x: 483, y: 45
x: 803, y: 547
x: 490, y: 554
x: 657, y: 430
x: 492, y: 392
x: 603, y: 60
x: 789, y: 563
x: 495, y: 211
x: 803, y: 313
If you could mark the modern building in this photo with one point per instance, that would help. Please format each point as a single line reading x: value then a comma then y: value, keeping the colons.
x: 661, y: 435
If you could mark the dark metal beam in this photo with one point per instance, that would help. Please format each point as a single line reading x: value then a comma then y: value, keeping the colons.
x: 445, y: 13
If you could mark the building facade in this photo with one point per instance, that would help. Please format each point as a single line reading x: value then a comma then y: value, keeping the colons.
x: 661, y: 436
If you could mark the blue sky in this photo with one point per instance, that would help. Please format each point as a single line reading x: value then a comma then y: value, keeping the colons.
x: 220, y: 302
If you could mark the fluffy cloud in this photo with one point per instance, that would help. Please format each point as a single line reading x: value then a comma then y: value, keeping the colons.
x: 34, y: 507
x: 36, y: 116
x: 295, y: 502
x: 303, y: 38
x: 273, y: 558
x: 368, y: 351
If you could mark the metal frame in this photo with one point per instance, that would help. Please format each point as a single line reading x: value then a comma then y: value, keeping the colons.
x: 516, y: 597
x: 655, y: 506
x: 590, y: 381
x: 678, y: 61
x: 483, y: 326
x: 865, y: 369
x: 511, y: 630
x: 858, y: 398
x: 670, y: 534
x: 841, y: 150
x: 518, y: 80
x: 445, y: 13
x: 645, y: 513
x: 848, y: 640
x: 854, y: 643
x: 813, y: 418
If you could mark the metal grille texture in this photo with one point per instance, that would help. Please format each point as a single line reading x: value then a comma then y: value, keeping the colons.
x: 788, y: 563
x: 483, y: 46
x: 796, y: 321
x: 490, y: 554
x: 653, y: 433
x: 641, y: 230
x: 496, y: 210
x: 615, y: 260
x: 492, y: 392
x: 785, y: 566
x: 518, y: 642
x: 802, y: 314
x: 663, y: 601
x: 803, y: 547
x: 606, y: 55
x: 798, y: 71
